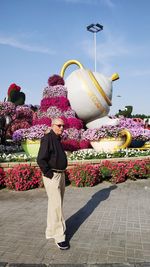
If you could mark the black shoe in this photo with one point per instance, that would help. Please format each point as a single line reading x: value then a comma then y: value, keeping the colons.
x: 63, y: 245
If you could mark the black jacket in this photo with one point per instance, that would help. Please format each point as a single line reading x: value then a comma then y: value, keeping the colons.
x: 51, y: 154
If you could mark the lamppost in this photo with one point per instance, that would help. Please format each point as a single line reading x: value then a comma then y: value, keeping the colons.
x: 94, y: 28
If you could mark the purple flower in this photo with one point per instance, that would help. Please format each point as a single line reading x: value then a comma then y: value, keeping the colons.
x: 18, y: 135
x: 52, y: 91
x: 32, y: 133
x: 135, y: 128
x: 53, y: 112
x: 41, y: 114
x: 69, y: 113
x: 102, y: 132
x: 7, y: 108
x: 71, y: 133
x: 24, y: 112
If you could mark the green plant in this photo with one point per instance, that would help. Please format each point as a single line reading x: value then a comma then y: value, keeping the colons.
x: 125, y: 112
x: 105, y: 171
x: 15, y: 96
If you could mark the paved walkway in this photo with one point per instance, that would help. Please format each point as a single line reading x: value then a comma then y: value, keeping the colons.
x: 108, y: 225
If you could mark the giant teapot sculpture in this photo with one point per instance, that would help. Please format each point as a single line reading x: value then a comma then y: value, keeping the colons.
x: 89, y: 93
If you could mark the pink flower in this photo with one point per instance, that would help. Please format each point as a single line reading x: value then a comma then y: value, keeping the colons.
x: 60, y: 102
x: 43, y: 120
x: 84, y: 144
x: 75, y: 123
x: 52, y: 91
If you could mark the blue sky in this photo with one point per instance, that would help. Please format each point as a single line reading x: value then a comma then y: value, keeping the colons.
x: 38, y: 36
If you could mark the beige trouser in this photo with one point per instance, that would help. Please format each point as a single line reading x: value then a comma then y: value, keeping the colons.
x: 55, y: 189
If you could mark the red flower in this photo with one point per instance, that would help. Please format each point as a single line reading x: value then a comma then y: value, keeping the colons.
x: 55, y: 80
x: 70, y: 145
x: 12, y: 87
x: 2, y: 178
x: 84, y: 175
x: 23, y: 177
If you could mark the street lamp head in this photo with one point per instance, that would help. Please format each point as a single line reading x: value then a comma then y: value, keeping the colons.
x: 95, y: 28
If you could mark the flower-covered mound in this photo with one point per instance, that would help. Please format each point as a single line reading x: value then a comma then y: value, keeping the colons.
x: 54, y: 104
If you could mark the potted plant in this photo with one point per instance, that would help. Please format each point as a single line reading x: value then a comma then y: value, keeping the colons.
x: 134, y: 132
x: 30, y: 138
x: 108, y: 138
x: 140, y: 135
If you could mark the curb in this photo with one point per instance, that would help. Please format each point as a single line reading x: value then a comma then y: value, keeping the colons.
x: 141, y: 264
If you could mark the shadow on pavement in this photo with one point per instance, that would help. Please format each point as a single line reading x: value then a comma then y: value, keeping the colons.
x: 74, y: 222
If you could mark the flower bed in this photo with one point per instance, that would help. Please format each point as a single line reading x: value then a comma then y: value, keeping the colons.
x: 23, y: 177
x: 115, y: 172
x: 118, y: 172
x: 86, y: 154
x: 26, y: 176
x: 84, y: 175
x: 7, y: 155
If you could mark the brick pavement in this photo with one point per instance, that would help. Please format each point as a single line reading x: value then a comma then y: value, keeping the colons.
x: 108, y: 225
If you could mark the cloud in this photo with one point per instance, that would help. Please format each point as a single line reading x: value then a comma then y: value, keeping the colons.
x: 13, y: 42
x: 108, y: 3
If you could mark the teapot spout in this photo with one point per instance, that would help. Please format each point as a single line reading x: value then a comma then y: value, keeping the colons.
x: 114, y: 77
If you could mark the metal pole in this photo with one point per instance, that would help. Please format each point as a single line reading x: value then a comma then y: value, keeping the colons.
x: 94, y: 28
x: 95, y: 49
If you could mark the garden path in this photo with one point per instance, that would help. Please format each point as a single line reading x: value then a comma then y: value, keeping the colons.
x: 107, y: 224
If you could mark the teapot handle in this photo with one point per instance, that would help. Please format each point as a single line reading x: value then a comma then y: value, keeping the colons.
x: 128, y: 140
x: 68, y: 63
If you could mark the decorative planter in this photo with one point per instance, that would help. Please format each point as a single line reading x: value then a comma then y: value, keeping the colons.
x: 112, y: 144
x: 146, y: 145
x: 31, y: 147
x: 137, y: 143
